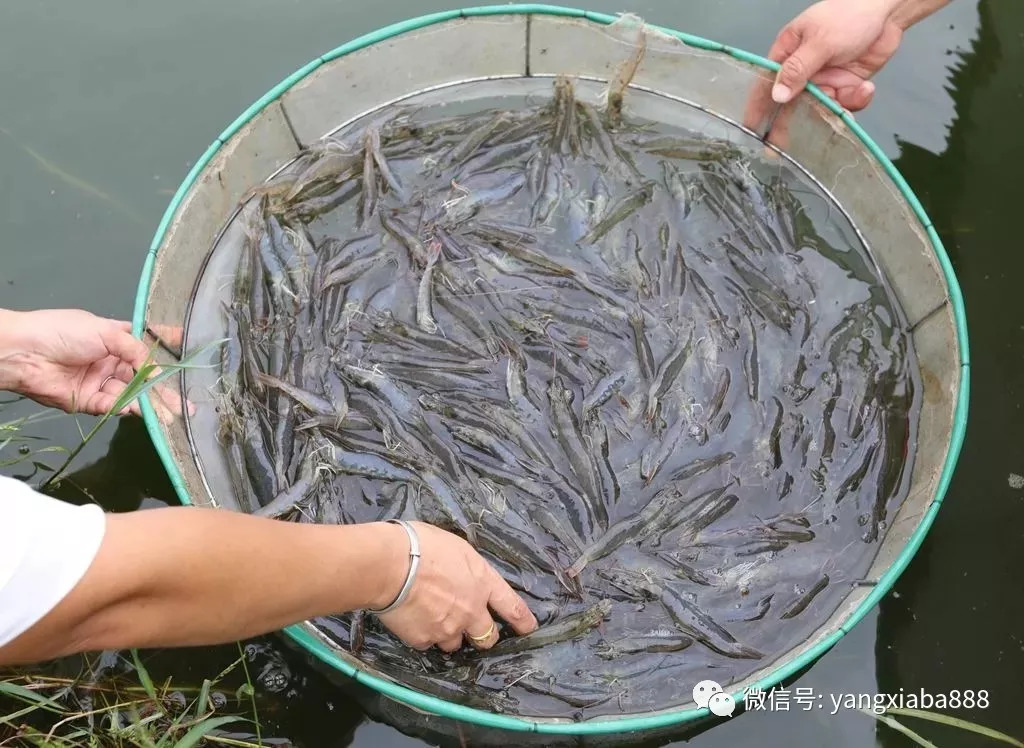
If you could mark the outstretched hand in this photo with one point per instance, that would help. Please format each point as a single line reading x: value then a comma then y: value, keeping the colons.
x: 454, y: 595
x: 74, y: 360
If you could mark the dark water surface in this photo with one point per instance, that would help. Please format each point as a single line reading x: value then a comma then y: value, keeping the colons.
x: 105, y: 93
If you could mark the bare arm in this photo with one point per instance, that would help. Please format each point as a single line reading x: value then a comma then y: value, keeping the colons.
x: 909, y: 12
x: 187, y: 576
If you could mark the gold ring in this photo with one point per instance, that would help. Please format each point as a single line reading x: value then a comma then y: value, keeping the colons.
x: 482, y: 637
x: 104, y: 382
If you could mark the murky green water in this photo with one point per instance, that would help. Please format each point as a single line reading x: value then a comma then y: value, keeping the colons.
x: 106, y: 104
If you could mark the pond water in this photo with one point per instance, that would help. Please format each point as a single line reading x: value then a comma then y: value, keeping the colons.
x: 107, y: 104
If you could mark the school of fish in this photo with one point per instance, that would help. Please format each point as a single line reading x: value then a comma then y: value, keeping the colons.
x: 620, y: 360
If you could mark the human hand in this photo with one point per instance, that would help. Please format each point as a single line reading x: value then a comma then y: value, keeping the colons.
x: 453, y: 596
x: 837, y: 45
x: 73, y: 360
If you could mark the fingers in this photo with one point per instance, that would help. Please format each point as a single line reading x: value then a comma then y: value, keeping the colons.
x: 855, y: 98
x: 166, y: 408
x: 845, y: 86
x: 108, y: 393
x: 798, y: 66
x: 123, y: 345
x: 836, y: 78
x: 451, y: 645
x: 123, y: 370
x: 483, y: 632
x: 508, y: 605
x: 112, y: 378
x: 103, y: 401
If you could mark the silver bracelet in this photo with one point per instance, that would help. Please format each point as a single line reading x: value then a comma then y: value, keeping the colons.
x: 414, y: 565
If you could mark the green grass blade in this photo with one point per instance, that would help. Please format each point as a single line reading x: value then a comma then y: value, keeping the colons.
x: 25, y: 694
x: 252, y: 694
x: 962, y: 724
x: 197, y: 733
x: 204, y: 699
x: 144, y: 679
x: 900, y: 728
x: 145, y: 380
x: 78, y: 424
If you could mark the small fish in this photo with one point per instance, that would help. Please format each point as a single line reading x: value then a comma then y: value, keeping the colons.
x: 424, y: 313
x: 703, y: 628
x: 799, y: 605
x: 568, y: 434
x: 295, y: 496
x: 370, y: 188
x: 667, y: 373
x: 365, y: 464
x: 315, y: 404
x: 637, y: 643
x: 563, y: 629
x: 642, y: 346
x: 631, y: 529
x: 603, y: 391
x: 619, y: 211
x: 382, y: 166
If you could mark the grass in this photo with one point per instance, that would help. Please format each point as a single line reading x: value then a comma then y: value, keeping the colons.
x: 888, y: 718
x: 59, y: 712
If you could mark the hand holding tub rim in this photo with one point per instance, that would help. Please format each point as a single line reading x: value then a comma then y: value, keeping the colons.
x: 839, y: 45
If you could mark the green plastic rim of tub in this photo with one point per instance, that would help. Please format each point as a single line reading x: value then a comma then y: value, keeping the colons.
x: 597, y: 726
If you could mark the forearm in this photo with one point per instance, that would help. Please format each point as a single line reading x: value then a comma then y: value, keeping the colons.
x: 188, y: 576
x: 908, y: 12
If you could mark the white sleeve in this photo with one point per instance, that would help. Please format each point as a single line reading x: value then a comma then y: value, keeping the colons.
x: 46, y: 546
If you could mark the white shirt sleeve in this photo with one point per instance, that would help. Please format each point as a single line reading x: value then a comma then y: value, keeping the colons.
x: 46, y: 546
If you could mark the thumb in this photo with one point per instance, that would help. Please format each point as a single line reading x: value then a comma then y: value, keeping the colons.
x: 798, y: 68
